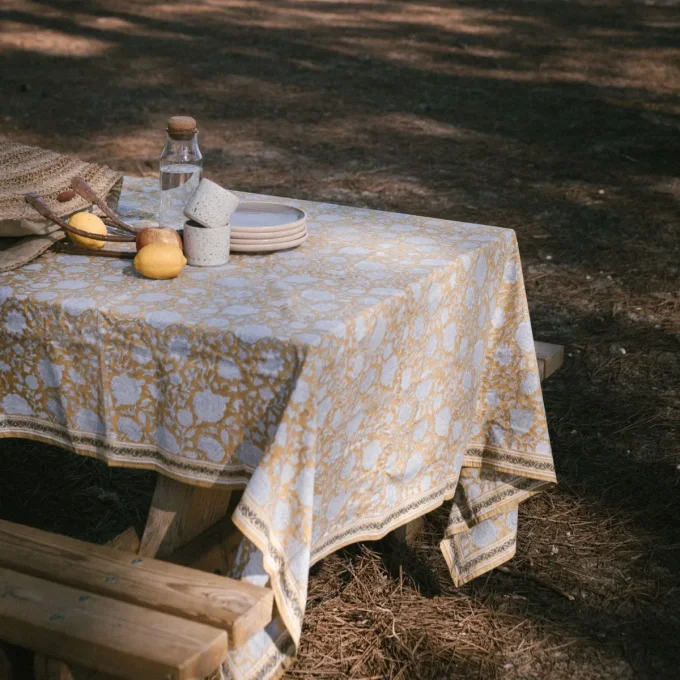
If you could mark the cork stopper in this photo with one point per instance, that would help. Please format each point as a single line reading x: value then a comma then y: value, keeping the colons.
x: 181, y: 127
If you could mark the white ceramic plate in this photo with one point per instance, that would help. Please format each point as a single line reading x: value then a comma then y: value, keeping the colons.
x: 265, y: 233
x: 260, y: 216
x: 256, y: 240
x: 270, y: 248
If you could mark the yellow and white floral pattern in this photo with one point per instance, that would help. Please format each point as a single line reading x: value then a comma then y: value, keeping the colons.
x: 349, y: 385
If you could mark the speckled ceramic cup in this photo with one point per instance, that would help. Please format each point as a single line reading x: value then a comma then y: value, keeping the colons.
x: 206, y: 247
x: 211, y: 205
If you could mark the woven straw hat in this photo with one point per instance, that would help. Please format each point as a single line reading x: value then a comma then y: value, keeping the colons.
x: 24, y: 235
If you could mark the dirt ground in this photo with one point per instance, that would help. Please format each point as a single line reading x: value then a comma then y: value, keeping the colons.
x: 556, y: 118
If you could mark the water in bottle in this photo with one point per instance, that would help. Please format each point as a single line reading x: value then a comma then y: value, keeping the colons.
x: 181, y: 167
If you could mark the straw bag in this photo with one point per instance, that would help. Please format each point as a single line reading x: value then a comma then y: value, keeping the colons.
x: 24, y: 235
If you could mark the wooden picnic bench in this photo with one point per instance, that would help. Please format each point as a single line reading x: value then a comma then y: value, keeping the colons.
x: 119, y: 613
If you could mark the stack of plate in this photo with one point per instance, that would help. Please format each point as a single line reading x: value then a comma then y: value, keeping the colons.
x: 258, y: 227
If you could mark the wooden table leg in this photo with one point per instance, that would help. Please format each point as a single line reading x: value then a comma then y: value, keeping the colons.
x: 127, y: 541
x: 408, y: 533
x: 180, y: 512
x: 215, y: 549
x: 46, y: 668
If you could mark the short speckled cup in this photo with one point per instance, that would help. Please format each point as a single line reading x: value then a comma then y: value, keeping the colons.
x: 211, y: 205
x: 206, y: 247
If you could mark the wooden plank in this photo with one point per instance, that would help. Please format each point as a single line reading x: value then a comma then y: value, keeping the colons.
x: 409, y: 533
x: 237, y: 607
x: 105, y: 634
x: 127, y: 541
x: 549, y: 357
x: 180, y: 512
x: 213, y: 551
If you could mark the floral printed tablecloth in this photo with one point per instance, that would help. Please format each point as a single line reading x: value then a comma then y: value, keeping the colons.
x: 350, y: 385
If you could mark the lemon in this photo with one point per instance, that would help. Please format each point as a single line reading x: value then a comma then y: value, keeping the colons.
x: 86, y: 221
x: 160, y: 261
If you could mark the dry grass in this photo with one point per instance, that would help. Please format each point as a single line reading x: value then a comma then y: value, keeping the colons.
x: 558, y: 119
x: 561, y: 609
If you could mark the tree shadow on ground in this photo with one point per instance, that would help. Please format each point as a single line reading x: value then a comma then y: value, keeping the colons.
x: 426, y: 98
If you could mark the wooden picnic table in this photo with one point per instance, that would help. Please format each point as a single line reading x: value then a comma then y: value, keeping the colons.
x: 345, y: 388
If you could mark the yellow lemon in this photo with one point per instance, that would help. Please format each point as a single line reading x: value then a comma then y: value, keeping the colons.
x: 86, y: 221
x: 160, y: 261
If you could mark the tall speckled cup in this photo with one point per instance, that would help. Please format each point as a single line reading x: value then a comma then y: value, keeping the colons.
x: 211, y: 205
x: 206, y: 247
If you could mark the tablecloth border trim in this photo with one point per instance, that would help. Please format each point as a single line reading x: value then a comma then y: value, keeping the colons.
x: 492, y: 504
x: 378, y: 528
x: 463, y: 572
x: 205, y: 474
x: 431, y: 501
x: 155, y: 459
x: 510, y: 462
x: 249, y: 522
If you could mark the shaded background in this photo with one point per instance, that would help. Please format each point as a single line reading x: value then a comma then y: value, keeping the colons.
x: 556, y: 118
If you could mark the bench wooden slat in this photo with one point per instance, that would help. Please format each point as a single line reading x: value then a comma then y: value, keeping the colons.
x: 238, y: 607
x: 105, y: 634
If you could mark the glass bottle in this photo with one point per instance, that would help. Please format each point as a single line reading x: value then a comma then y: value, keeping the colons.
x: 181, y: 166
